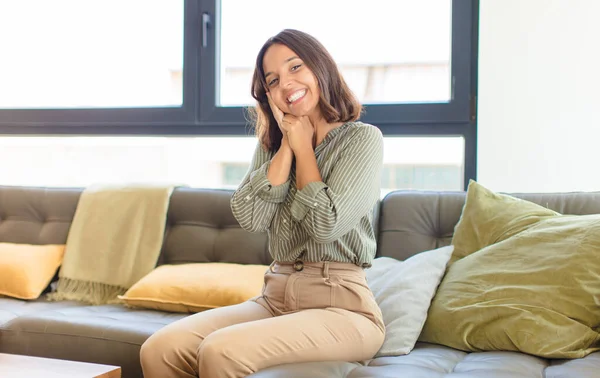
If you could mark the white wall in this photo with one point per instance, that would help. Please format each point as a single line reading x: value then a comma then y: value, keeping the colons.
x: 539, y: 95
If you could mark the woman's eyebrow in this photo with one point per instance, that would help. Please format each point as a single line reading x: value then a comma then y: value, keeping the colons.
x: 287, y: 60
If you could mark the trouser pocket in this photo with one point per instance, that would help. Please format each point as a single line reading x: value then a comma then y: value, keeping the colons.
x: 353, y: 294
x: 308, y: 292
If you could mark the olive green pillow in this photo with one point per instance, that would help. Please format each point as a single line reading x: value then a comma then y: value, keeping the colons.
x: 534, y: 288
x: 489, y: 218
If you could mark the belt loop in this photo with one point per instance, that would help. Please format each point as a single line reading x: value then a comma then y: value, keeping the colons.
x: 326, y: 269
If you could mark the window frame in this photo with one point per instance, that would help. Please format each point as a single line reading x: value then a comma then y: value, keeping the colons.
x: 199, y: 114
x: 103, y: 121
x: 456, y: 110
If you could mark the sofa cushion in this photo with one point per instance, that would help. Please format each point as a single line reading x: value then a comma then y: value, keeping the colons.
x: 11, y: 308
x: 403, y: 290
x: 411, y: 222
x: 415, y: 221
x: 196, y: 287
x: 201, y: 228
x: 436, y: 361
x: 488, y: 218
x: 34, y: 215
x: 533, y: 288
x: 26, y: 270
x: 108, y: 334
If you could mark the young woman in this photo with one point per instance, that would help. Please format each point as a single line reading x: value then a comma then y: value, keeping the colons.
x: 312, y: 185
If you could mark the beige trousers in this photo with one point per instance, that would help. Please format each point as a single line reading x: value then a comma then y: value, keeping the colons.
x: 323, y: 312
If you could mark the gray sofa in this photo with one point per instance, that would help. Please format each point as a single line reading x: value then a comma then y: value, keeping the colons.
x: 201, y: 228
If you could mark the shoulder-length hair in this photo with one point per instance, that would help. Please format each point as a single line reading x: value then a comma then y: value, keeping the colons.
x: 337, y: 102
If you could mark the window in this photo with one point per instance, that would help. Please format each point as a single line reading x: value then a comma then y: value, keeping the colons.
x: 423, y: 163
x: 410, y: 61
x: 207, y: 162
x: 421, y: 177
x: 112, y: 54
x: 233, y: 174
x: 180, y: 69
x: 412, y: 67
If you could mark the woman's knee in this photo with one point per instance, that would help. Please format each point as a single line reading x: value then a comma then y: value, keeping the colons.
x: 170, y: 348
x: 153, y: 349
x: 213, y: 348
x: 219, y: 355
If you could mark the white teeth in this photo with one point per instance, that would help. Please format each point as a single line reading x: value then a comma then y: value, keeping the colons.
x: 296, y: 95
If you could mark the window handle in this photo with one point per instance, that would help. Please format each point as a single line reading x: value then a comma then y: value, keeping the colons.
x: 205, y: 25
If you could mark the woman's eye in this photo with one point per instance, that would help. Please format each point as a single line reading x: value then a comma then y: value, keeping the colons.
x: 272, y: 82
x: 296, y: 67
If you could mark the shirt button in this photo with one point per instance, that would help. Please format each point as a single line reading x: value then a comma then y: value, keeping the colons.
x: 247, y: 198
x: 285, y: 221
x: 315, y: 204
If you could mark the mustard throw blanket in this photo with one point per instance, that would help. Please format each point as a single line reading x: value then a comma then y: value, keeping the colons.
x: 115, y: 239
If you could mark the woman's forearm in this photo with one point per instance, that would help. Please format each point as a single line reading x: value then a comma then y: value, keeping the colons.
x: 279, y: 169
x: 307, y: 170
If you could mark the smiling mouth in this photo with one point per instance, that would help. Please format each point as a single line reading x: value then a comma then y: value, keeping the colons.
x: 296, y: 96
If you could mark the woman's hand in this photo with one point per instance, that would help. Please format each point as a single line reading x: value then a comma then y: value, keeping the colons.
x: 298, y: 132
x: 278, y: 115
x: 279, y: 169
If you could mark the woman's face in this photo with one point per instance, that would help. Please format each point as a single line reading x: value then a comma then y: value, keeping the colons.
x: 293, y: 86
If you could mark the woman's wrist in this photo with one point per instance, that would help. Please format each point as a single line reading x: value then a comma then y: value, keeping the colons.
x: 285, y: 145
x: 304, y: 151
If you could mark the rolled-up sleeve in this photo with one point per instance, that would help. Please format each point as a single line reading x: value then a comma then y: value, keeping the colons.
x: 255, y: 201
x: 306, y: 199
x: 328, y: 210
x: 261, y: 186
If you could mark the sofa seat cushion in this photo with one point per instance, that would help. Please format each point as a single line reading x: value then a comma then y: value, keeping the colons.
x: 107, y: 334
x: 11, y: 308
x: 436, y: 361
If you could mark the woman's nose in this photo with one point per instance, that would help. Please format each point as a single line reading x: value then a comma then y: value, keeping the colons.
x: 285, y: 81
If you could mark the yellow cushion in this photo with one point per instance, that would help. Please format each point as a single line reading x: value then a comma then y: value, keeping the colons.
x: 196, y: 287
x: 26, y: 270
x: 533, y: 288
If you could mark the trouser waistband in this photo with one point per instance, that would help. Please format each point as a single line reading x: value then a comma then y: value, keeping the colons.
x: 323, y: 268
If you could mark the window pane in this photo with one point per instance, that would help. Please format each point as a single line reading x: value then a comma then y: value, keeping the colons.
x: 434, y: 163
x: 427, y: 163
x: 91, y: 54
x: 388, y: 51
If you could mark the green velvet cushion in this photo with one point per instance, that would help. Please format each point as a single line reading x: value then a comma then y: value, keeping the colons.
x: 533, y: 287
x: 489, y: 218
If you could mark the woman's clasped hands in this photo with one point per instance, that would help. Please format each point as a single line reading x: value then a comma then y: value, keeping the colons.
x: 298, y: 132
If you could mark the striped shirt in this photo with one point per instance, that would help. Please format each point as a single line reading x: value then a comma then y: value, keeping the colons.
x: 330, y: 220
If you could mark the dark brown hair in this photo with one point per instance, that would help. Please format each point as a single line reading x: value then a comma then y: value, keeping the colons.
x: 337, y: 102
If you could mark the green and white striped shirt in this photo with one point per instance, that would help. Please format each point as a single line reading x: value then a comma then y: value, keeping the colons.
x: 330, y: 220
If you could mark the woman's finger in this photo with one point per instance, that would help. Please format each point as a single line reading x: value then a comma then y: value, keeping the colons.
x: 277, y: 113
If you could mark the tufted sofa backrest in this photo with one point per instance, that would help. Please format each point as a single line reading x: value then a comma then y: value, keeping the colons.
x: 201, y: 228
x: 31, y: 215
x: 417, y: 221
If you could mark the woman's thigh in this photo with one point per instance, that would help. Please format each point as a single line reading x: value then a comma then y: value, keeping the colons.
x: 173, y: 350
x: 203, y: 323
x: 310, y: 335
